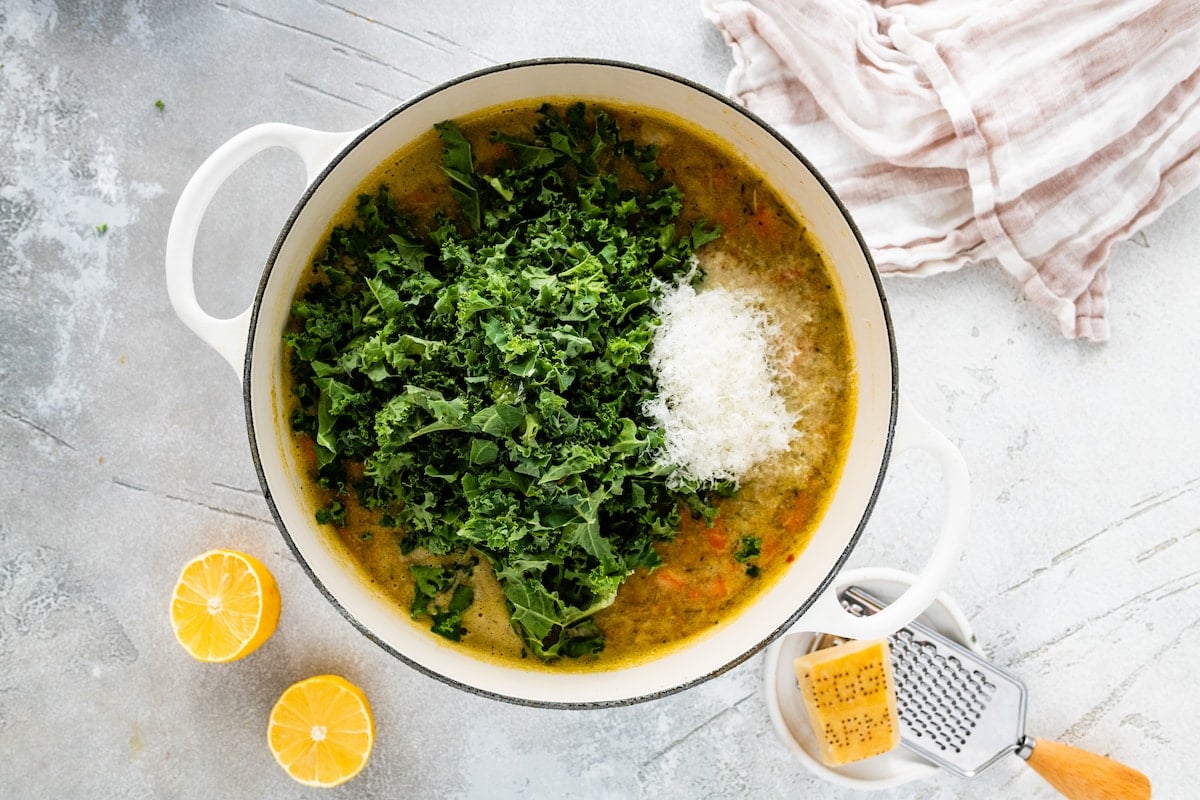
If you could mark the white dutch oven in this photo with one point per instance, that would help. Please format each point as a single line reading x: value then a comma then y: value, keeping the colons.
x: 337, y: 163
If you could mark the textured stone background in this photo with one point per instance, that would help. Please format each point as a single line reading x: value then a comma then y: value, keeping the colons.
x: 124, y: 452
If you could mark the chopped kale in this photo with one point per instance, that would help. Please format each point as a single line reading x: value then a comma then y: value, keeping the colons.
x: 488, y: 371
x: 750, y: 548
x: 432, y: 584
x: 334, y: 513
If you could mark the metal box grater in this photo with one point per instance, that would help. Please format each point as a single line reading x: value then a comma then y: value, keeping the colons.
x: 956, y: 709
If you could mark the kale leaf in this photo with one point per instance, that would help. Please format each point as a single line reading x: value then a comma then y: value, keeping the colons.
x: 749, y: 549
x: 485, y: 372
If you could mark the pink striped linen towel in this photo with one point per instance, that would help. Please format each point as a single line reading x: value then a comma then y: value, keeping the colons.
x: 1034, y: 133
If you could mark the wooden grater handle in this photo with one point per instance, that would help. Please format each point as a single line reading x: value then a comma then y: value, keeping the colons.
x: 1081, y: 775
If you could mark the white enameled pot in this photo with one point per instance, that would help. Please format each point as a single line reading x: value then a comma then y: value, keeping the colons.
x: 337, y: 163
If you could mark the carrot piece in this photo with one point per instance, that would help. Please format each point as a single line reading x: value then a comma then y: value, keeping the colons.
x: 717, y: 539
x: 726, y: 218
x: 421, y: 197
x: 765, y: 220
x: 717, y: 535
x: 306, y: 453
x: 668, y: 578
x: 798, y: 513
x: 770, y: 545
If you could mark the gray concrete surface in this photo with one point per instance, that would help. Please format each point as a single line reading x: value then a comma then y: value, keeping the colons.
x: 124, y: 451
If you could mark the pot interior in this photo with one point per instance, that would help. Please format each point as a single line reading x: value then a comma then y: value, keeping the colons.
x: 871, y: 335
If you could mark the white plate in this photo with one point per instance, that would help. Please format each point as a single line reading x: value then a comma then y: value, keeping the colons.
x: 786, y: 706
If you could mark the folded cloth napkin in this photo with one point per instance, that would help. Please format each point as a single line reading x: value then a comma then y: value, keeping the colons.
x: 1034, y: 132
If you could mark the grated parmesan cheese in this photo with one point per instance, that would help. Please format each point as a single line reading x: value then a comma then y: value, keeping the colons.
x: 718, y: 403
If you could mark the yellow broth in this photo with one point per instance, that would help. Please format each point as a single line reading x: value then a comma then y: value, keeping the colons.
x: 765, y: 249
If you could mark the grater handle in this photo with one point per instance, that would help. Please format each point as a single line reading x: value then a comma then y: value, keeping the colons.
x: 1081, y: 775
x: 827, y: 614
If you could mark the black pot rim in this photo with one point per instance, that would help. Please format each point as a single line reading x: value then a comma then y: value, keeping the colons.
x: 312, y: 188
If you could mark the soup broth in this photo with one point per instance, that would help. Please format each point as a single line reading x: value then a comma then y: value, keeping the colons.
x: 707, y: 576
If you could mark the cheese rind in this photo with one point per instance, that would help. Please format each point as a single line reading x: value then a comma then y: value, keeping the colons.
x: 850, y: 694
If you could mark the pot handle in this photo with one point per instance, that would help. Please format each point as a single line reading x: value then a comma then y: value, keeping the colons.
x: 315, y: 148
x: 827, y: 615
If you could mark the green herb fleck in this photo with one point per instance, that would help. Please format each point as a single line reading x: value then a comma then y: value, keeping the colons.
x: 160, y: 105
x: 442, y: 594
x: 334, y: 513
x: 102, y: 228
x: 749, y: 548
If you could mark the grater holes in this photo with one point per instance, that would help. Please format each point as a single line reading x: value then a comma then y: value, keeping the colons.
x: 986, y: 687
x: 942, y: 699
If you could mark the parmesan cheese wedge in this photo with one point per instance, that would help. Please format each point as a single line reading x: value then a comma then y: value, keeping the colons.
x: 850, y: 695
